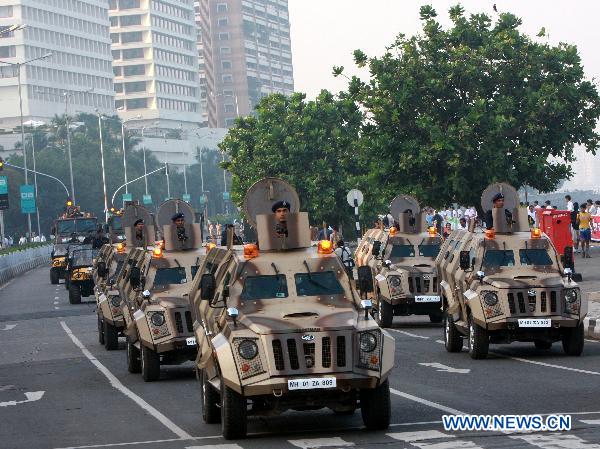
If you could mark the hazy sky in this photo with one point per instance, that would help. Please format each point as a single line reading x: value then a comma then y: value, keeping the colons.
x: 325, y: 32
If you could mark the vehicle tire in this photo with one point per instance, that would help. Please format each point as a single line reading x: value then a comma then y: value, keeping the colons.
x: 385, y: 315
x: 375, y: 407
x: 573, y: 340
x: 234, y: 414
x: 479, y: 341
x: 344, y: 412
x: 100, y: 332
x: 210, y: 401
x: 150, y: 364
x: 74, y: 294
x: 436, y: 317
x: 111, y: 337
x: 452, y: 338
x: 54, y: 278
x: 542, y: 345
x: 134, y: 365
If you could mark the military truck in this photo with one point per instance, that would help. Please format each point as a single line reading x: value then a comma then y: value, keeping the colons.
x: 402, y: 263
x: 507, y: 284
x: 154, y: 290
x: 79, y: 272
x: 282, y: 327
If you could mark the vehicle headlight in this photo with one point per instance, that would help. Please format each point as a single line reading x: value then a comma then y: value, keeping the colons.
x: 571, y: 295
x: 248, y: 349
x: 116, y: 301
x: 157, y: 319
x: 368, y: 342
x: 490, y: 298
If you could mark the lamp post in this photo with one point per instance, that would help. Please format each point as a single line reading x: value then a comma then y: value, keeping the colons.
x: 144, y: 153
x: 103, y: 172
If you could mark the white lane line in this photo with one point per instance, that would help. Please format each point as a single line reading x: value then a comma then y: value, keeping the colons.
x: 409, y: 437
x: 217, y: 446
x: 7, y: 387
x: 56, y: 297
x: 56, y: 308
x: 549, y: 365
x: 408, y: 333
x: 452, y: 444
x: 556, y: 441
x: 594, y: 422
x: 426, y: 402
x: 55, y: 302
x: 440, y: 341
x: 2, y: 287
x: 8, y: 327
x: 592, y: 341
x: 116, y: 383
x: 134, y: 443
x: 421, y: 423
x: 319, y: 442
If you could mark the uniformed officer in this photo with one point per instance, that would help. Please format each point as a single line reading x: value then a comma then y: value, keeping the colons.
x: 497, y: 203
x: 281, y: 209
x: 139, y: 239
x: 179, y: 221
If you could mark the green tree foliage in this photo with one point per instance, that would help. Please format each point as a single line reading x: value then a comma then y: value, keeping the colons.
x: 311, y: 144
x: 451, y: 110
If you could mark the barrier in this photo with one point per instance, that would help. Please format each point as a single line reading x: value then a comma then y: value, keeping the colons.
x: 18, y: 262
x: 596, y: 228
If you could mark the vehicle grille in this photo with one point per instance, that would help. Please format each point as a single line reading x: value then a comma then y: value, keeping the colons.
x: 418, y: 284
x: 553, y: 302
x: 278, y: 355
x: 321, y: 353
x: 526, y: 305
x: 511, y: 303
x: 543, y: 302
x: 326, y: 352
x: 188, y: 321
x: 521, y: 299
x: 178, y: 322
x: 293, y: 353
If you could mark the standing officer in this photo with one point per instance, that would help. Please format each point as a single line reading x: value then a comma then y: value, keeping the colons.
x: 281, y: 209
x: 498, y: 203
x: 179, y: 221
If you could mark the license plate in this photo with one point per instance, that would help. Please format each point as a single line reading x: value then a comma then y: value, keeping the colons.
x: 310, y: 383
x: 190, y: 341
x: 535, y: 322
x: 431, y: 298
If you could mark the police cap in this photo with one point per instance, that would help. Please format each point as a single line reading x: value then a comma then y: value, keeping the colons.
x: 177, y: 216
x: 138, y: 221
x: 281, y: 205
x: 497, y: 196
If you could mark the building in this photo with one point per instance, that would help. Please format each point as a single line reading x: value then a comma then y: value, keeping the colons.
x: 77, y: 74
x: 201, y: 65
x: 155, y: 62
x: 586, y: 172
x: 247, y: 55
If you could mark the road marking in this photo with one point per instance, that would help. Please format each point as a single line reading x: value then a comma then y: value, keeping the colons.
x: 7, y: 387
x: 440, y: 341
x: 590, y: 421
x: 426, y: 402
x: 320, y: 442
x: 56, y: 297
x: 56, y: 302
x: 31, y: 396
x: 421, y: 423
x: 116, y: 383
x: 56, y: 308
x: 8, y: 327
x: 134, y: 443
x: 409, y: 437
x: 556, y: 441
x: 592, y: 341
x: 217, y: 446
x: 549, y: 365
x: 445, y: 368
x: 408, y: 333
x: 452, y: 444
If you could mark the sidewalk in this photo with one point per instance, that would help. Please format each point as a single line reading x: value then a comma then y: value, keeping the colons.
x: 590, y: 288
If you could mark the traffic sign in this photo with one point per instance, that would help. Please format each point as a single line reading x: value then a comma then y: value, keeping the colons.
x: 203, y: 199
x: 27, y: 199
x: 3, y: 193
x: 187, y: 197
x: 147, y: 200
x: 127, y: 197
x: 226, y: 196
x: 354, y: 194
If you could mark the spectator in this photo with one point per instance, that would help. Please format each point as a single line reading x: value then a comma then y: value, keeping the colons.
x: 429, y: 216
x: 548, y: 204
x: 536, y: 205
x: 569, y: 203
x: 438, y: 222
x: 597, y: 212
x: 584, y: 219
x: 447, y: 230
x: 531, y: 215
x: 325, y: 232
x: 462, y: 224
x: 343, y: 252
x: 575, y: 227
x: 591, y: 208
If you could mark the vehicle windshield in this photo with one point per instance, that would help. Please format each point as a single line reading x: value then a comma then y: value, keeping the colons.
x: 402, y: 251
x: 74, y: 248
x: 537, y: 256
x: 60, y: 251
x: 84, y: 257
x: 166, y: 276
x: 429, y: 250
x: 78, y: 225
x: 314, y: 284
x: 495, y: 258
x: 116, y: 223
x: 264, y: 287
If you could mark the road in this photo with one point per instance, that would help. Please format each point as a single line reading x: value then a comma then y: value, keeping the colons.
x: 60, y: 389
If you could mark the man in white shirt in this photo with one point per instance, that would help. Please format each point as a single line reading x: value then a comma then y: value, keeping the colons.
x: 343, y: 252
x: 569, y: 203
x: 548, y: 204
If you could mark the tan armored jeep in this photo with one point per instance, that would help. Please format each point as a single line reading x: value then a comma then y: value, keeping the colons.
x: 283, y: 327
x: 154, y: 289
x: 507, y: 284
x: 402, y: 263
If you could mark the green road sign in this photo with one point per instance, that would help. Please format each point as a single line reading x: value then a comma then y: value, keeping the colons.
x: 187, y: 197
x: 127, y: 197
x: 27, y: 199
x: 203, y: 199
x: 147, y: 200
x: 225, y: 196
x: 3, y: 193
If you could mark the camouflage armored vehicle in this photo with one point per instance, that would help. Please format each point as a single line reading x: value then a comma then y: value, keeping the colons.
x: 79, y: 272
x: 283, y: 327
x: 154, y: 290
x: 507, y: 284
x: 402, y: 263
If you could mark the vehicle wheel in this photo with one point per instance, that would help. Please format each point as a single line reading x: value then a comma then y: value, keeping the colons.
x: 542, y: 344
x: 572, y: 341
x: 150, y: 364
x: 74, y: 294
x: 344, y: 412
x: 111, y: 337
x: 452, y: 338
x: 436, y: 317
x: 210, y: 401
x: 54, y: 279
x: 385, y: 317
x: 133, y: 358
x: 100, y: 332
x: 479, y: 341
x: 234, y: 419
x: 375, y: 407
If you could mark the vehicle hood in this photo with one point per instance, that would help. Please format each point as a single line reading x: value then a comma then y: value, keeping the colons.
x: 550, y: 280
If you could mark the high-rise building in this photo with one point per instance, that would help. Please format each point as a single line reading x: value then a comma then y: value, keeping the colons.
x: 201, y: 65
x: 77, y: 74
x: 247, y: 55
x: 155, y: 62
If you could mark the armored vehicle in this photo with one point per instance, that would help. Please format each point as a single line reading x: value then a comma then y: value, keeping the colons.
x: 507, y: 284
x: 79, y: 272
x: 402, y: 263
x: 282, y: 327
x: 154, y: 289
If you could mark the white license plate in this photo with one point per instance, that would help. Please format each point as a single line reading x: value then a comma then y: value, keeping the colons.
x: 190, y: 341
x: 535, y: 322
x: 312, y: 382
x: 431, y: 298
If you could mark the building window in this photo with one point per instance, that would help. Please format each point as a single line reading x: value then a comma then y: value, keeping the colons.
x: 119, y: 104
x: 139, y: 86
x: 229, y: 108
x: 136, y: 36
x: 118, y: 88
x: 8, y: 51
x: 227, y: 79
x: 133, y: 70
x: 225, y: 50
x: 114, y: 21
x: 6, y: 11
x: 229, y: 122
x: 137, y: 103
x: 223, y: 22
x: 129, y: 4
x: 133, y: 53
x: 227, y: 93
x: 130, y: 20
x: 221, y: 7
x: 223, y: 36
x: 226, y: 65
x: 117, y: 71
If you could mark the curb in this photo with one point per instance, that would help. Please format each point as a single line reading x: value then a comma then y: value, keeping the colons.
x: 591, y: 328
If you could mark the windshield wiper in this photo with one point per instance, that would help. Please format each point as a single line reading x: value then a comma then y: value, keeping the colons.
x: 313, y: 281
x: 279, y: 283
x: 526, y: 253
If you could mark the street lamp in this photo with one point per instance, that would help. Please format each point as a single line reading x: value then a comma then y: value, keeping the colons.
x: 144, y: 152
x: 12, y: 28
x: 137, y: 117
x: 102, y: 162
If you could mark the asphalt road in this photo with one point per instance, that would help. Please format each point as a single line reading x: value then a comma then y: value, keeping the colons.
x: 60, y: 389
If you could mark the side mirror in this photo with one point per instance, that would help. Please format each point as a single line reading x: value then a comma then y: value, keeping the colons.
x: 365, y: 279
x: 568, y: 257
x: 135, y: 277
x: 233, y: 313
x: 465, y: 260
x: 480, y: 276
x: 366, y: 304
x: 208, y: 285
x: 376, y: 248
x: 568, y: 273
x: 146, y: 294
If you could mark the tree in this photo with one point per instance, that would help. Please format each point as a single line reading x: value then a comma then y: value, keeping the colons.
x: 452, y: 110
x: 311, y: 144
